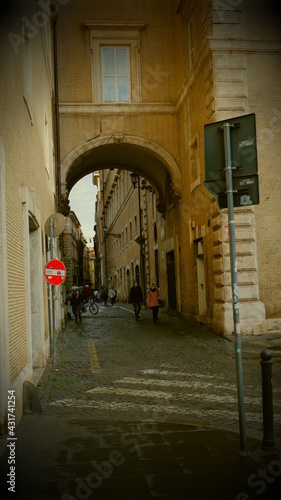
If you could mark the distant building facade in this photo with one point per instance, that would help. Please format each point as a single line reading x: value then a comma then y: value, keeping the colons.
x: 76, y: 253
x: 131, y: 232
x: 71, y: 237
x: 137, y: 86
x: 92, y: 271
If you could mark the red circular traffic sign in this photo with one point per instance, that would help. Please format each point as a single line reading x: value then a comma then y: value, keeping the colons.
x: 55, y: 272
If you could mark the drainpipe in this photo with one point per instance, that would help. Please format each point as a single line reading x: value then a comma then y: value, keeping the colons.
x: 56, y: 103
x: 57, y: 148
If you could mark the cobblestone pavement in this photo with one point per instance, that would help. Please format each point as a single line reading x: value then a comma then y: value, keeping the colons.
x: 109, y: 365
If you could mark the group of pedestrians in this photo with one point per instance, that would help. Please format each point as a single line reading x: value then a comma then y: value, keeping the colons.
x: 75, y: 302
x: 153, y: 300
x: 76, y: 299
x: 104, y: 295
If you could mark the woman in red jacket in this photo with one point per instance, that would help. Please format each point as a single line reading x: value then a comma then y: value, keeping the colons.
x: 153, y: 297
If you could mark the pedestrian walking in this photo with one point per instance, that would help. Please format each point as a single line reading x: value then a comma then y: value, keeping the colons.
x: 104, y: 295
x: 68, y: 303
x: 77, y: 304
x: 153, y: 297
x: 136, y: 298
x: 112, y: 293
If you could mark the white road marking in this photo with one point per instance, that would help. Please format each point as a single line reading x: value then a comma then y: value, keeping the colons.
x: 175, y: 374
x: 128, y: 310
x: 174, y: 383
x: 159, y: 410
x: 130, y: 392
x: 225, y: 399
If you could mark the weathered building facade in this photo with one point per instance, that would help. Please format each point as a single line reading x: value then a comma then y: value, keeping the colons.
x: 28, y: 196
x: 138, y: 82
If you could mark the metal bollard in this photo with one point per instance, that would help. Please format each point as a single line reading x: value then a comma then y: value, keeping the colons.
x: 267, y: 403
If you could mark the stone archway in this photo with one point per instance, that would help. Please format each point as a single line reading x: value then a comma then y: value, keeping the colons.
x: 146, y: 158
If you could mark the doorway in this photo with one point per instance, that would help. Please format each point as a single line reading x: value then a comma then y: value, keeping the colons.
x: 202, y: 302
x: 128, y: 284
x: 171, y: 279
x: 36, y: 294
x: 137, y: 274
x: 156, y: 267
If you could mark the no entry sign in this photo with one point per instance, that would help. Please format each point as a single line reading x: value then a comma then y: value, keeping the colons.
x: 55, y: 272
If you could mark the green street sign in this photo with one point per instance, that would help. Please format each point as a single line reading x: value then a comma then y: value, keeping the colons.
x: 245, y: 191
x: 243, y: 160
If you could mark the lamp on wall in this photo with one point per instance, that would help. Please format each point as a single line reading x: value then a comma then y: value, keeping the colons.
x: 135, y: 181
x: 116, y: 235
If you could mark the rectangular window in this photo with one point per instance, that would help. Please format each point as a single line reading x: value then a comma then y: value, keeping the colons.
x: 154, y: 208
x: 27, y: 75
x: 115, y: 62
x: 194, y: 165
x: 191, y: 43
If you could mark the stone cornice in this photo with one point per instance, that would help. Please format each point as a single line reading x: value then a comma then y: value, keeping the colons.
x: 108, y: 109
x: 114, y: 25
x: 245, y: 45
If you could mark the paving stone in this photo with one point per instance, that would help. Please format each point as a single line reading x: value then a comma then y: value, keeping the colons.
x: 138, y: 411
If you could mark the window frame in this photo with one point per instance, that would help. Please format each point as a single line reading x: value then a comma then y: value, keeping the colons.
x: 115, y: 35
x: 191, y: 42
x: 115, y: 73
x: 195, y: 172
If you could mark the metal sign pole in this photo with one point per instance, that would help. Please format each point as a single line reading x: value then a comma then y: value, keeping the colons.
x: 52, y: 290
x: 235, y: 300
x: 54, y: 226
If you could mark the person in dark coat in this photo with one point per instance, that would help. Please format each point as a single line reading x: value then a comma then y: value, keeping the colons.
x: 104, y: 295
x: 77, y: 303
x: 136, y: 298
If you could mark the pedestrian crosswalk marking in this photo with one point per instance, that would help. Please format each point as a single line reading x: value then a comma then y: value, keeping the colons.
x: 158, y: 410
x: 117, y: 391
x: 94, y: 360
x: 175, y: 383
x: 130, y: 392
x: 175, y: 374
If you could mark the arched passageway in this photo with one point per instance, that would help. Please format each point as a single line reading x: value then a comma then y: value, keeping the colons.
x: 139, y: 234
x: 147, y: 159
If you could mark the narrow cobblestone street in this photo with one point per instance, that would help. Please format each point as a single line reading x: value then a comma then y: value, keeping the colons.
x: 111, y: 366
x: 134, y: 410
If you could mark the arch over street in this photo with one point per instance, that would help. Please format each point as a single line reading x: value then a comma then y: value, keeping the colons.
x: 148, y: 159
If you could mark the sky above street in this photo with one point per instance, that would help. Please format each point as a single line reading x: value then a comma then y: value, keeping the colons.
x: 82, y: 201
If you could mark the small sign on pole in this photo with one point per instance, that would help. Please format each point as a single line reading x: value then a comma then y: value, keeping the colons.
x: 55, y: 272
